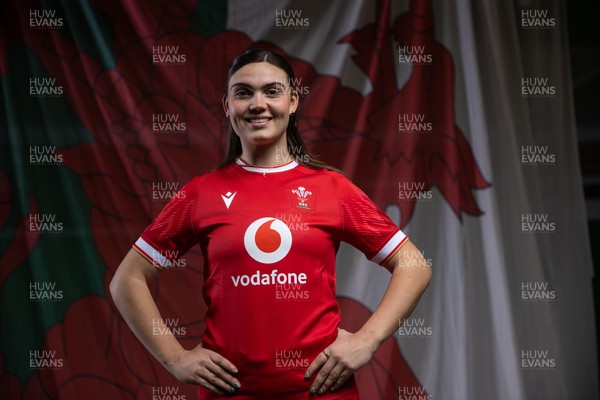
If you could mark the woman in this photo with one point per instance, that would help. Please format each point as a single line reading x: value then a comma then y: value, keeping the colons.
x: 272, y: 319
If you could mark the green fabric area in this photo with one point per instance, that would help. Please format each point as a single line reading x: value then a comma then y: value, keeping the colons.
x: 67, y: 258
x: 209, y: 17
x: 85, y: 26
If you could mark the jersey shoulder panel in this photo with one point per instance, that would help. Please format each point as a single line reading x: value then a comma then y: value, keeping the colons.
x: 364, y: 225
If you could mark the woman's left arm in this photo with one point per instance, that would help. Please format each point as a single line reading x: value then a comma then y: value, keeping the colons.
x: 350, y: 351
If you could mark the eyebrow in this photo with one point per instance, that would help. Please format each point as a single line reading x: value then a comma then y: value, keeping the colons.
x: 248, y: 86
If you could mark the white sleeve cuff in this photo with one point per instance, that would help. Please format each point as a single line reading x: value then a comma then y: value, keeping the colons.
x: 150, y: 253
x: 390, y: 247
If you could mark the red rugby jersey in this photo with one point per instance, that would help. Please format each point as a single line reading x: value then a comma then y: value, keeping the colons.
x: 269, y: 238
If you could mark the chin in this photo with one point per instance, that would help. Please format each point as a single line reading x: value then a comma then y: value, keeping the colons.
x: 264, y: 142
x: 264, y: 139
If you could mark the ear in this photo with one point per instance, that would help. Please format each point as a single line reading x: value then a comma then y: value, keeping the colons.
x: 294, y: 101
x: 225, y: 104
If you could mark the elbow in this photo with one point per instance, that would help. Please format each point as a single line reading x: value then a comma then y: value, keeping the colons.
x: 425, y: 272
x: 427, y: 277
x: 114, y: 286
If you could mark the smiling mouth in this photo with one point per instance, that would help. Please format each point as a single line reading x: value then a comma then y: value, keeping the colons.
x: 258, y: 120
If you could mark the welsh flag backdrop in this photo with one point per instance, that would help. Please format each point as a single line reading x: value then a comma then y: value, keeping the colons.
x: 455, y: 117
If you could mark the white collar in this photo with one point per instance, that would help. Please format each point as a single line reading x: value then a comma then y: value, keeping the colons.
x: 266, y: 170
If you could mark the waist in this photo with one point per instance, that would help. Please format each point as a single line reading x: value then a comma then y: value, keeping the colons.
x: 275, y: 362
x: 271, y: 392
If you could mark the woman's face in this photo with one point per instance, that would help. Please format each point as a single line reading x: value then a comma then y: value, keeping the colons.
x: 259, y: 102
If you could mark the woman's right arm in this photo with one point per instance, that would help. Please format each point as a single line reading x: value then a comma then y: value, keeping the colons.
x: 199, y: 366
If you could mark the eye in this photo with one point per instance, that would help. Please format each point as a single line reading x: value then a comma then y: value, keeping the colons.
x: 274, y: 92
x: 241, y: 93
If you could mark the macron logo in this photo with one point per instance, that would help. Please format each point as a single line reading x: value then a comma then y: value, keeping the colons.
x: 228, y: 198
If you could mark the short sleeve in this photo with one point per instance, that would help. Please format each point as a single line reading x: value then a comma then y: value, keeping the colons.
x: 364, y: 225
x: 171, y: 234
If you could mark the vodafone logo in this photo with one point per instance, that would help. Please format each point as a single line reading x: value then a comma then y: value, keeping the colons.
x: 268, y: 240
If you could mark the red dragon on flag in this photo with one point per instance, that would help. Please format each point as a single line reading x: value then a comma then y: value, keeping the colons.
x: 359, y: 134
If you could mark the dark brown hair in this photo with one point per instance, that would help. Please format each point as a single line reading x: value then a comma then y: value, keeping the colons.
x: 295, y: 144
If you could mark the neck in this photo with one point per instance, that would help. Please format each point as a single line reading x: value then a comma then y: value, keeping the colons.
x: 267, y: 156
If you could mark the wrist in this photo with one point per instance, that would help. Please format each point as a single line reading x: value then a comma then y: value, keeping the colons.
x: 170, y: 358
x: 371, y: 338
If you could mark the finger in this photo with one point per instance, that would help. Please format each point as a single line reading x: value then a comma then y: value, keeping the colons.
x: 322, y: 375
x: 223, y: 375
x: 343, y: 377
x: 217, y: 382
x: 316, y: 364
x: 223, y: 363
x: 206, y: 384
x: 330, y: 379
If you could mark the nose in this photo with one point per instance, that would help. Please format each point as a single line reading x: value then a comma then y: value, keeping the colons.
x: 258, y: 103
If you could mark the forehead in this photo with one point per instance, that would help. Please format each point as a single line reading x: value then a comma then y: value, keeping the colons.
x: 258, y: 74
